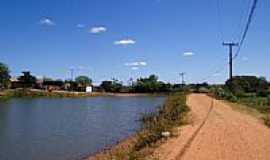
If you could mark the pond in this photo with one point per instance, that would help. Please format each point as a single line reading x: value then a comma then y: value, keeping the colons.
x: 68, y: 128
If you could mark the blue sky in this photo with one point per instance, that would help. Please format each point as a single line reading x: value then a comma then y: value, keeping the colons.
x: 132, y: 38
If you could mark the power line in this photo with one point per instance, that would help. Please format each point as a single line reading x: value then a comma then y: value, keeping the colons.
x: 242, y: 20
x: 244, y: 35
x: 216, y: 72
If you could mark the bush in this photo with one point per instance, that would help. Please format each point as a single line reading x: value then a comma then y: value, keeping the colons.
x: 262, y: 93
x: 223, y: 94
x: 240, y: 85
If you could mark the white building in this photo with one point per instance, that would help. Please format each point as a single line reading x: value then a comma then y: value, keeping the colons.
x: 89, y: 89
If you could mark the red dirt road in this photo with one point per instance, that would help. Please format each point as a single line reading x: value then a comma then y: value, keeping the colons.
x: 218, y: 133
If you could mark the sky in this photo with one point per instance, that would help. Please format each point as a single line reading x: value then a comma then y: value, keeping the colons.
x: 125, y: 39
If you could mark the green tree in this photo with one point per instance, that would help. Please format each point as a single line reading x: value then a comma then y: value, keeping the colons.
x: 149, y: 84
x: 27, y: 79
x: 4, y: 76
x: 240, y: 85
x: 83, y: 81
x: 112, y: 86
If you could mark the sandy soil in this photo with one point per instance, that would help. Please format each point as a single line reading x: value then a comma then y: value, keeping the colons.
x: 217, y: 132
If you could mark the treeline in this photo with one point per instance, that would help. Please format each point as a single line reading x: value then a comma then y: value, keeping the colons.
x: 149, y: 84
x: 239, y: 86
x: 243, y: 86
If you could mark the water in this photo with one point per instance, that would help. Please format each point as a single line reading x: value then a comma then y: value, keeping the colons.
x: 67, y: 128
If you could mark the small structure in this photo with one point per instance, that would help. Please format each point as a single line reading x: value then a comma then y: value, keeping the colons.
x: 53, y: 85
x: 15, y: 83
x: 89, y: 89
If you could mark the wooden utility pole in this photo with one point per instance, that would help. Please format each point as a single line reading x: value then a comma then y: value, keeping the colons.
x: 231, y: 45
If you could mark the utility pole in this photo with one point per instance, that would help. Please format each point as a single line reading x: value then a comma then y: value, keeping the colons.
x: 231, y: 45
x: 71, y: 73
x: 182, y: 75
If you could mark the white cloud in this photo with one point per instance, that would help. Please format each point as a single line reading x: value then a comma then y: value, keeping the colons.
x: 188, y: 54
x: 96, y: 30
x: 136, y: 64
x: 80, y: 26
x: 47, y: 22
x: 125, y: 42
x: 134, y: 68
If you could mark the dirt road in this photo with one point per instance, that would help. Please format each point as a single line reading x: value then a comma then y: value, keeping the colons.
x: 218, y: 133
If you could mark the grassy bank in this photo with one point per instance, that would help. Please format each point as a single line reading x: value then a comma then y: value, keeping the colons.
x: 38, y: 93
x: 41, y: 93
x: 258, y: 103
x: 155, y: 127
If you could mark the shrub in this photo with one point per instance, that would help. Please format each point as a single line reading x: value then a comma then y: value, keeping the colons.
x: 224, y: 94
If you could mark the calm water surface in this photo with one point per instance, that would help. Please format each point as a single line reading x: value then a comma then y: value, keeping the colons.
x: 67, y: 128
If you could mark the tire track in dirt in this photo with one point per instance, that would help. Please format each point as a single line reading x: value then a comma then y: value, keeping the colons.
x: 189, y: 142
x: 217, y: 133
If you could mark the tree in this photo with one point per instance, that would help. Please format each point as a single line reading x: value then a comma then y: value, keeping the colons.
x: 112, y: 86
x: 240, y: 85
x: 27, y: 79
x: 149, y: 84
x: 83, y: 81
x: 4, y: 76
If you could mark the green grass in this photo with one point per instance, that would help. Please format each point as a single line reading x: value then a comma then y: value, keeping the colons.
x: 259, y: 103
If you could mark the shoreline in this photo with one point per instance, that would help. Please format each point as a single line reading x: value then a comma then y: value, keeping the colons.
x: 61, y: 94
x: 143, y: 143
x: 156, y: 128
x: 112, y: 149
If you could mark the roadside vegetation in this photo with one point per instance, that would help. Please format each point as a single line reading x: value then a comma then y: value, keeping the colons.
x: 250, y: 91
x: 155, y: 127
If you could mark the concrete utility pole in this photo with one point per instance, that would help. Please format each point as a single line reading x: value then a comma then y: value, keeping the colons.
x: 231, y: 45
x: 183, y: 78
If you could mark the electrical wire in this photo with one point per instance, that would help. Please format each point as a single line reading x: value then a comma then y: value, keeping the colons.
x: 241, y: 41
x: 246, y: 29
